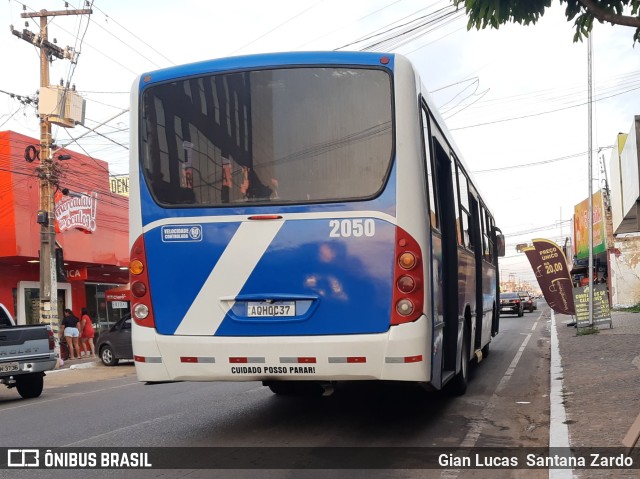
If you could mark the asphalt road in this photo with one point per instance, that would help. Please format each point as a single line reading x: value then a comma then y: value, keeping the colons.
x: 506, y: 405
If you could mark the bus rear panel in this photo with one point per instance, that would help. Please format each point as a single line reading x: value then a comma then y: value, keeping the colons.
x: 264, y: 223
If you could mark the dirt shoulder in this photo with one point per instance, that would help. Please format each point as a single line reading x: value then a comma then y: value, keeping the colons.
x: 88, y: 373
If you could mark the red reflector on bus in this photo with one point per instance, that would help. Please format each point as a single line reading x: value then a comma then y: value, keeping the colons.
x: 188, y: 359
x: 356, y: 359
x: 265, y: 217
x: 413, y: 359
x: 306, y: 360
x: 140, y: 359
x: 138, y: 289
x: 238, y: 360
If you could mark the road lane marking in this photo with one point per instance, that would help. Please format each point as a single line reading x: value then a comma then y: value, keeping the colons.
x: 121, y: 429
x: 37, y: 402
x: 558, y: 428
x: 509, y: 372
x: 477, y: 425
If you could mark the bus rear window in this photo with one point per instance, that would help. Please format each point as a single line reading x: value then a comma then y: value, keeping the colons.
x: 286, y: 136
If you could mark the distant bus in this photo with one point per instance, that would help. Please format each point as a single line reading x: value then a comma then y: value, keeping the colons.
x: 301, y: 219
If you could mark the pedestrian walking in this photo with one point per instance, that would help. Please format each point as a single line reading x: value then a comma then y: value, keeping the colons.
x: 87, y: 334
x: 71, y: 333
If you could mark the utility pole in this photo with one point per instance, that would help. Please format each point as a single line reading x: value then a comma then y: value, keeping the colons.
x: 48, y: 170
x: 590, y: 161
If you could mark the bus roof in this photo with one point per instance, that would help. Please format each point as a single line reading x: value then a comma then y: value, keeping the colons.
x: 265, y: 60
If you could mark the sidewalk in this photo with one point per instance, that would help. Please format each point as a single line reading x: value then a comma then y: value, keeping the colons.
x: 601, y: 381
x: 79, y: 363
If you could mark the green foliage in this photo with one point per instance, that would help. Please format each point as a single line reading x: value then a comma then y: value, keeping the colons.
x: 493, y: 13
x: 587, y: 331
x: 630, y: 309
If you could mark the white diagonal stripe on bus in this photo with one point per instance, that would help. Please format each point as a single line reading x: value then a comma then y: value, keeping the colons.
x: 285, y: 217
x: 228, y: 276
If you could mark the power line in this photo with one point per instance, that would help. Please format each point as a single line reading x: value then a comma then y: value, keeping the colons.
x: 541, y: 113
x: 535, y: 163
x: 135, y: 36
x: 9, y: 118
x: 358, y: 20
x: 556, y: 225
x: 374, y: 35
x: 403, y: 38
x: 78, y: 47
x: 275, y: 28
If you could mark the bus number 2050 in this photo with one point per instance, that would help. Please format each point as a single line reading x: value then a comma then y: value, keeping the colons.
x: 346, y: 228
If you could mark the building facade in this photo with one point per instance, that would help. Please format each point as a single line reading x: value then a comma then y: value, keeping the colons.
x: 91, y: 226
x: 624, y: 250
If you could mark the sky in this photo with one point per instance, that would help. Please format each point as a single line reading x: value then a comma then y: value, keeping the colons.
x: 515, y: 99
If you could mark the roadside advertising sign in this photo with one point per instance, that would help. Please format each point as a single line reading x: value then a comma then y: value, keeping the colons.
x: 601, y: 308
x: 550, y: 267
x: 581, y: 226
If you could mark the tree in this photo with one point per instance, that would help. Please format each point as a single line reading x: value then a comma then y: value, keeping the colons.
x: 493, y: 13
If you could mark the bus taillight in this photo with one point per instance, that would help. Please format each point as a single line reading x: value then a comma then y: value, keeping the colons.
x: 141, y: 310
x: 408, y: 292
x: 138, y: 289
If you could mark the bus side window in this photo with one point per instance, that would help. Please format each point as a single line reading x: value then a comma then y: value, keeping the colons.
x: 464, y: 218
x: 456, y: 204
x: 428, y: 165
x: 485, y: 228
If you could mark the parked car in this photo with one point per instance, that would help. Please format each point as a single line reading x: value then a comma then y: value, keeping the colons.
x: 115, y: 343
x: 511, y: 303
x: 26, y: 353
x: 527, y: 301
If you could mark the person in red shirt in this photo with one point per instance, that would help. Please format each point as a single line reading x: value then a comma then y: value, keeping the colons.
x: 87, y: 334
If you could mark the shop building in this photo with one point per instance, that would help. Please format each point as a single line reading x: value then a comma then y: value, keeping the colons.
x: 624, y: 240
x: 91, y: 226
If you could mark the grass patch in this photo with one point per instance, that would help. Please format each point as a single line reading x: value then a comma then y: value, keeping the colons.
x: 586, y: 331
x: 630, y: 309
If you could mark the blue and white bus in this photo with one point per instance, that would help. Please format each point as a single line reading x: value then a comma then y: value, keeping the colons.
x: 301, y: 219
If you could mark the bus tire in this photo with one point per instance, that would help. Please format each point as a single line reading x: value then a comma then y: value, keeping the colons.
x: 458, y: 385
x: 485, y: 350
x: 30, y: 385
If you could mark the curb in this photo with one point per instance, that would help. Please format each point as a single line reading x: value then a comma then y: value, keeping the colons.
x: 89, y: 365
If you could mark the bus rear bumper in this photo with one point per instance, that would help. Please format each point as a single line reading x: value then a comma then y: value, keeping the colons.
x: 401, y: 354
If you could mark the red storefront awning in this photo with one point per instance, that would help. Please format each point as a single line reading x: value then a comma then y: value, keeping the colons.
x: 121, y: 293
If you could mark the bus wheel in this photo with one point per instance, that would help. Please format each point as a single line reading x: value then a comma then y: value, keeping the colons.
x: 485, y: 350
x: 458, y: 385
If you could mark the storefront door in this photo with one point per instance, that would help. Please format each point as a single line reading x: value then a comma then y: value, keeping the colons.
x: 29, y: 301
